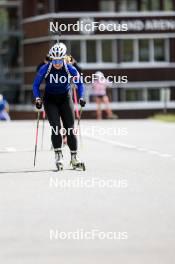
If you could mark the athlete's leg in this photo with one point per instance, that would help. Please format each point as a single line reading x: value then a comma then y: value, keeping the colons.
x: 53, y: 115
x: 68, y: 119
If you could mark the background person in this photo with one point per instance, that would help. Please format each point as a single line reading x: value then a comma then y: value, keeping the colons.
x: 99, y: 86
x: 4, y: 109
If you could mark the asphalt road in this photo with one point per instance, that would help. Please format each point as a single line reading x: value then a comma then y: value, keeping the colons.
x: 127, y: 190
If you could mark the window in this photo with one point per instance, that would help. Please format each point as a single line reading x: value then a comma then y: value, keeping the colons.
x: 154, y: 94
x: 155, y: 5
x: 127, y: 5
x: 131, y: 5
x: 168, y: 5
x: 52, y: 6
x: 172, y: 93
x: 144, y: 5
x: 9, y: 55
x: 41, y: 7
x: 119, y: 51
x: 159, y: 50
x: 106, y: 50
x: 75, y: 49
x: 143, y: 50
x: 133, y: 95
x: 3, y: 20
x: 91, y: 51
x: 107, y: 6
x: 150, y: 5
x: 127, y: 50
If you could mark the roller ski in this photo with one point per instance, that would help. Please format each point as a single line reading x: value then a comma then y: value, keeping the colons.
x: 59, y: 160
x: 76, y: 162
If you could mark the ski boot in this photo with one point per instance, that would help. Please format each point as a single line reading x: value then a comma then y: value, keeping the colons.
x: 76, y: 162
x: 59, y: 159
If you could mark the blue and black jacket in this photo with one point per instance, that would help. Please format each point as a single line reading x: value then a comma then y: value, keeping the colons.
x: 53, y: 87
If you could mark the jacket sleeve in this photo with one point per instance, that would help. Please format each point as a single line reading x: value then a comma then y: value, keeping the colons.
x: 77, y: 80
x: 38, y: 80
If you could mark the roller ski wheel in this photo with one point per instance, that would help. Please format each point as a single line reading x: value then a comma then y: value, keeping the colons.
x: 80, y: 166
x: 76, y: 163
x: 59, y: 167
x: 59, y: 160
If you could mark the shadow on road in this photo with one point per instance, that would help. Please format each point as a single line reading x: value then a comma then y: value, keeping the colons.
x: 26, y: 171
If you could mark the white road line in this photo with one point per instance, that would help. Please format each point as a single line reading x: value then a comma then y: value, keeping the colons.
x: 107, y: 141
x: 10, y: 149
x: 14, y: 150
x: 165, y: 155
x: 152, y: 152
x: 141, y: 149
x: 128, y: 146
x: 115, y: 143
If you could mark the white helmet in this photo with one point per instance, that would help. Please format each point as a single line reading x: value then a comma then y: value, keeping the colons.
x: 1, y: 97
x: 58, y: 51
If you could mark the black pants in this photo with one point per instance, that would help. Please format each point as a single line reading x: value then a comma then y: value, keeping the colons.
x: 56, y: 107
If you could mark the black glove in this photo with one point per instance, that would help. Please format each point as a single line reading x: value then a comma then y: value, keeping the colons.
x: 38, y: 103
x: 82, y: 102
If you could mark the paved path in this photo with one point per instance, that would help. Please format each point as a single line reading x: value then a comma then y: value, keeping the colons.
x: 128, y: 189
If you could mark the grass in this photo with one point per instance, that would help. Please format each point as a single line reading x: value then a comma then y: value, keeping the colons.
x: 164, y: 117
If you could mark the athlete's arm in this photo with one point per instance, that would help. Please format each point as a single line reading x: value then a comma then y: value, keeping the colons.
x: 38, y: 80
x: 77, y: 80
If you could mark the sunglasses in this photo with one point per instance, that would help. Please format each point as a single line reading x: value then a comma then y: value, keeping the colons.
x: 57, y: 61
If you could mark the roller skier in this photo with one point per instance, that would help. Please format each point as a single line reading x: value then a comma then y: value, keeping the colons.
x: 57, y: 101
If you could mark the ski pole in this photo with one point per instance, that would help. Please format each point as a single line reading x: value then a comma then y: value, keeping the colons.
x: 80, y: 114
x: 44, y: 116
x: 78, y: 125
x: 76, y: 103
x: 36, y: 138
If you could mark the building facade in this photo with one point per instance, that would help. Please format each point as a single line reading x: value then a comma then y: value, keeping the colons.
x: 10, y: 50
x: 145, y: 53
